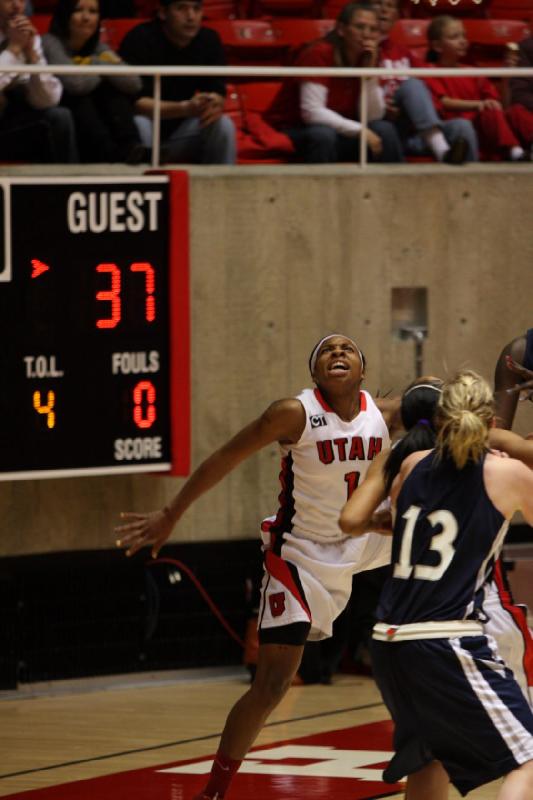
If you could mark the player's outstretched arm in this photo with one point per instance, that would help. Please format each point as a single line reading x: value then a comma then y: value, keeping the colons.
x: 283, y: 421
x: 512, y: 444
x: 357, y: 515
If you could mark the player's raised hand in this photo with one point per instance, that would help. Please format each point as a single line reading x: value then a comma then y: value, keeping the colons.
x: 526, y: 387
x: 140, y: 530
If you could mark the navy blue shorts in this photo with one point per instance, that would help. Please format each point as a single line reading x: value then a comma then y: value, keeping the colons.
x: 455, y: 701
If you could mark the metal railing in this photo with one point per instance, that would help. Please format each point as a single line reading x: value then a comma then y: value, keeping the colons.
x: 269, y: 72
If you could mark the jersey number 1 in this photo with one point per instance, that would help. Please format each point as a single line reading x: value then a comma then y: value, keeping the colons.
x: 352, y: 480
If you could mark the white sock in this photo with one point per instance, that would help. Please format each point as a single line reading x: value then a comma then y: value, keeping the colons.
x: 436, y: 141
x: 516, y: 153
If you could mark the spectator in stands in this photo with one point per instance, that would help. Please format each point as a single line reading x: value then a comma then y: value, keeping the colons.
x: 32, y: 127
x: 321, y: 115
x: 521, y: 91
x: 476, y: 99
x: 410, y: 105
x: 102, y: 106
x: 194, y: 127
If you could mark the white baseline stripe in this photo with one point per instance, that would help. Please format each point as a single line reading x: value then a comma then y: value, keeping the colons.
x: 517, y: 738
x: 75, y: 472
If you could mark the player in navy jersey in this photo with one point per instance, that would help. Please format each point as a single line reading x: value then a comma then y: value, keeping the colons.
x: 459, y: 714
x: 328, y: 437
x: 503, y: 618
x: 514, y: 369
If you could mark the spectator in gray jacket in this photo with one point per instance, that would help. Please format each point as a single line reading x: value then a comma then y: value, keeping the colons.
x: 32, y: 127
x: 102, y: 106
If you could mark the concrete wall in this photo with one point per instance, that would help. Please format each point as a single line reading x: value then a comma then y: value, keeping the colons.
x: 278, y: 257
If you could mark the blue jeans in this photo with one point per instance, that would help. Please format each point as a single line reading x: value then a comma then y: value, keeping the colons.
x: 320, y: 144
x: 65, y: 147
x: 418, y: 115
x: 191, y: 144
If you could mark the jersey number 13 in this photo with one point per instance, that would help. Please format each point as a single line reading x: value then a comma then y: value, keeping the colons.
x: 441, y: 543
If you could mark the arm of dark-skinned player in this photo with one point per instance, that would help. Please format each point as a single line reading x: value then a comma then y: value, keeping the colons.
x: 526, y: 378
x: 283, y: 421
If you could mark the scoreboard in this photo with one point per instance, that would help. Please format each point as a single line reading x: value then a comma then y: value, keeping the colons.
x: 94, y: 326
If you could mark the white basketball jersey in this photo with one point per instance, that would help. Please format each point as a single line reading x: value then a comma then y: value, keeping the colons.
x: 323, y: 468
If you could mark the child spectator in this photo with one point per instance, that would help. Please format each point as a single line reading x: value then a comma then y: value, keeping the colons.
x: 410, y: 106
x: 32, y: 128
x: 321, y: 115
x: 472, y: 98
x: 102, y: 106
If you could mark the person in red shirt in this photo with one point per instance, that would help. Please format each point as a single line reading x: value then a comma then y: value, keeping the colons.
x: 410, y: 106
x: 321, y: 115
x: 473, y: 98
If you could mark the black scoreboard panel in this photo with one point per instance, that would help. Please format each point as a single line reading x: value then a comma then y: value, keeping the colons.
x: 84, y: 327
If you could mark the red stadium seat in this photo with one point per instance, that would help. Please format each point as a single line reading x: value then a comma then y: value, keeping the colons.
x: 222, y: 9
x: 249, y: 42
x: 297, y: 32
x: 512, y: 9
x: 41, y: 22
x: 488, y: 39
x: 411, y: 33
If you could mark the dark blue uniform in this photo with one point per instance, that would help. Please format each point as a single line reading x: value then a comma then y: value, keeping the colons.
x: 450, y: 695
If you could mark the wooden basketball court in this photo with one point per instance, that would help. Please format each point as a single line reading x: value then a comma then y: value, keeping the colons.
x: 148, y: 737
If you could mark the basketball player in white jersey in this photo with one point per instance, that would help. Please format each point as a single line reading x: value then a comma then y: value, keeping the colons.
x: 328, y: 436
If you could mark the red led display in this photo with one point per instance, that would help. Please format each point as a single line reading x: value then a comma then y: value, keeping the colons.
x: 143, y: 266
x: 144, y: 411
x: 111, y: 295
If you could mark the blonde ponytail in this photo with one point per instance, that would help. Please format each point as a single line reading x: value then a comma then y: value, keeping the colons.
x: 464, y: 417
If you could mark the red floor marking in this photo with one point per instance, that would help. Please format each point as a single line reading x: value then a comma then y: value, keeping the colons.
x: 339, y: 765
